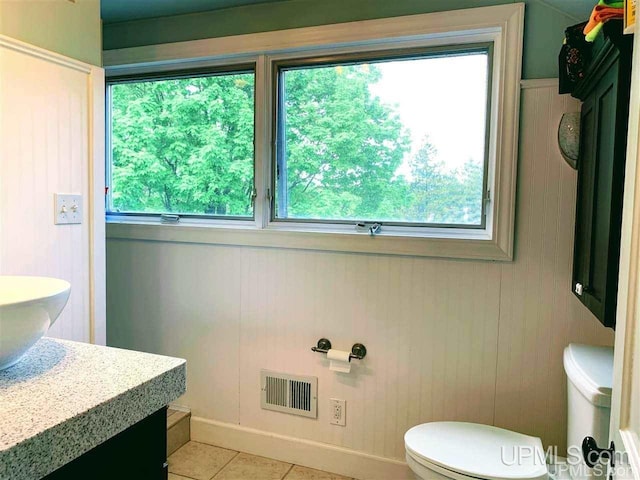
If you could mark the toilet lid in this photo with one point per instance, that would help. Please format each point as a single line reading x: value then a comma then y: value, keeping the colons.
x: 479, y: 451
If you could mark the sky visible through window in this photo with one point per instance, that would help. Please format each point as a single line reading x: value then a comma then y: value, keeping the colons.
x: 443, y: 99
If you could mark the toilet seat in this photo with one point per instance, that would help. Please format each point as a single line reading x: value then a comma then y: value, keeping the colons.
x: 469, y: 450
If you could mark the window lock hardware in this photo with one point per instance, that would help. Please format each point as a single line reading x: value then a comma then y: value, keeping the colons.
x: 372, y: 228
x: 254, y: 194
x: 167, y: 218
x: 487, y: 201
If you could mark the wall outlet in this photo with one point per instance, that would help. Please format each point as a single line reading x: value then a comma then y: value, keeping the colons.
x: 337, y: 412
x: 68, y: 208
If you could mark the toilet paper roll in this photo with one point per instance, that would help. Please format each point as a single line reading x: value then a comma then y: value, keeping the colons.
x: 339, y: 361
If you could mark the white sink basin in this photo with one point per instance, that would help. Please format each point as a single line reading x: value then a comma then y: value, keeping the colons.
x: 28, y: 307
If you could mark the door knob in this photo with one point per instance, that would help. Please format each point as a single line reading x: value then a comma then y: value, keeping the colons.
x: 592, y: 454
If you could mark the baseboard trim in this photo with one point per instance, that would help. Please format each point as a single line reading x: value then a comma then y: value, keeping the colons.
x: 321, y: 456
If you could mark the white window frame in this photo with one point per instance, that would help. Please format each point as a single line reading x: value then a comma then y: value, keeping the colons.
x: 500, y: 25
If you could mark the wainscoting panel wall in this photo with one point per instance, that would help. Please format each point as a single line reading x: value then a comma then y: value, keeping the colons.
x: 539, y: 315
x: 447, y: 339
x: 46, y: 147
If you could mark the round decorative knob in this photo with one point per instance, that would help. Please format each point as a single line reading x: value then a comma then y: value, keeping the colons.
x: 359, y: 350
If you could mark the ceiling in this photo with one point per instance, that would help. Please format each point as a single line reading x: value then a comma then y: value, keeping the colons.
x: 122, y: 10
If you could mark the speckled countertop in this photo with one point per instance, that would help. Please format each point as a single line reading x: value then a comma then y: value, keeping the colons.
x: 65, y: 398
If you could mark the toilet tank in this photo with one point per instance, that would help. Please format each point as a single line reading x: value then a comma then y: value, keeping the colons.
x: 589, y: 380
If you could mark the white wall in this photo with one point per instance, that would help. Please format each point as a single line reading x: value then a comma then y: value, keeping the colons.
x: 72, y: 28
x: 447, y: 339
x: 47, y: 145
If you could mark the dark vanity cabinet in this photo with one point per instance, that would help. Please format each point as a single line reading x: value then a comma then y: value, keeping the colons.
x: 137, y: 453
x: 604, y: 92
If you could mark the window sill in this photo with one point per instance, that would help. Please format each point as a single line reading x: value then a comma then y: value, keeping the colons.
x: 353, y: 242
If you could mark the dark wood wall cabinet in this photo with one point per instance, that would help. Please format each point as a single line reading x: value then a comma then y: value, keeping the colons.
x: 604, y: 92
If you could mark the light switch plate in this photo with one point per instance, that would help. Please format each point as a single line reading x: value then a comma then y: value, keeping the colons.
x: 68, y: 208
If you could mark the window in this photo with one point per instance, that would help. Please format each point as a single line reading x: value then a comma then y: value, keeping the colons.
x: 183, y: 145
x: 398, y: 140
x: 404, y: 129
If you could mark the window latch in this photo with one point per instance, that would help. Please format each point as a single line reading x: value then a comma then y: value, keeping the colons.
x: 254, y: 194
x: 372, y: 228
x: 167, y: 218
x: 486, y: 202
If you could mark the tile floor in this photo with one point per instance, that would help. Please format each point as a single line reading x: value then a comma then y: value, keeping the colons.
x: 198, y: 461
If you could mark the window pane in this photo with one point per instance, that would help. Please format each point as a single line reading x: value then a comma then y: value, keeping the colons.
x: 397, y: 140
x: 183, y: 145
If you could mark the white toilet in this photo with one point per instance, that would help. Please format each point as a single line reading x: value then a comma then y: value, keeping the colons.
x: 470, y: 451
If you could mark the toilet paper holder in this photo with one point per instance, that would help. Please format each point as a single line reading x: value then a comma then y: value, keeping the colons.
x: 358, y: 350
